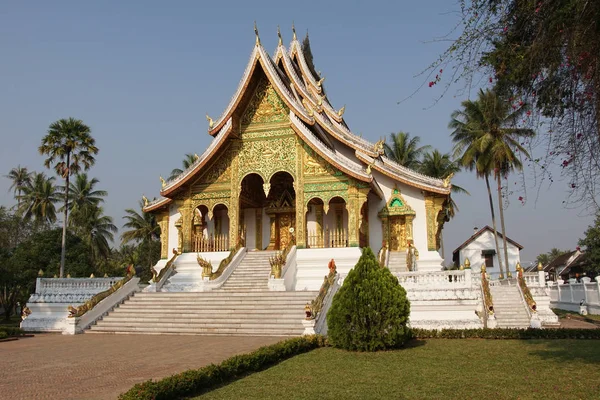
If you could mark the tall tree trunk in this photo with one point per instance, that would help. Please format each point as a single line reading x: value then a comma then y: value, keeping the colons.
x: 64, y: 233
x: 487, y: 183
x: 502, y: 224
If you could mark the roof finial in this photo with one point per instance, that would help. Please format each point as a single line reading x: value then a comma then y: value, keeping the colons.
x: 211, y: 123
x: 341, y: 111
x: 279, y: 35
x: 256, y: 33
x: 294, y: 31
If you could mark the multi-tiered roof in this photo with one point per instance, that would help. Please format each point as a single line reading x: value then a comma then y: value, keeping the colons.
x: 291, y: 73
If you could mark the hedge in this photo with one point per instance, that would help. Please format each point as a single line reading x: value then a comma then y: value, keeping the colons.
x: 10, y: 331
x: 194, y: 382
x: 501, y: 333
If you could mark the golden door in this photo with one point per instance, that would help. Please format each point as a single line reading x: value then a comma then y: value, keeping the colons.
x: 397, y: 233
x: 284, y: 223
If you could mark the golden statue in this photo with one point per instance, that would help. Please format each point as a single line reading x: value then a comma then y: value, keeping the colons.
x: 448, y: 179
x: 196, y: 156
x: 162, y: 181
x: 211, y: 123
x: 341, y: 111
x: 145, y: 200
x: 279, y: 36
x: 320, y: 81
x: 256, y: 33
x: 378, y: 147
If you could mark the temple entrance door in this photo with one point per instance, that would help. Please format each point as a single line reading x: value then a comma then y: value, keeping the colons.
x: 284, y: 223
x: 398, y: 233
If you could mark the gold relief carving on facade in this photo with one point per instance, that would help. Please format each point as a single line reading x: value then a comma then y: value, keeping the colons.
x: 211, y: 195
x: 254, y: 132
x: 163, y: 223
x: 265, y: 106
x: 397, y: 218
x: 267, y: 157
x: 315, y: 165
x: 434, y: 207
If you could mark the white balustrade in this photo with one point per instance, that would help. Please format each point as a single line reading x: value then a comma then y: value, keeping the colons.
x: 569, y: 296
x: 73, y: 285
x: 437, y: 280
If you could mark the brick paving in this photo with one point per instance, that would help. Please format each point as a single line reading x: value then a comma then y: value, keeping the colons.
x: 95, y: 366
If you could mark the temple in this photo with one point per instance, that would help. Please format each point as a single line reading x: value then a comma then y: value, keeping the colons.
x: 284, y: 195
x: 283, y: 167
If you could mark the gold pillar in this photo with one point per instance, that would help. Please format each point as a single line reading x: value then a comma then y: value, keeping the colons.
x: 319, y: 223
x: 163, y: 223
x: 234, y: 197
x: 273, y: 233
x: 186, y: 224
x: 259, y: 228
x: 433, y: 206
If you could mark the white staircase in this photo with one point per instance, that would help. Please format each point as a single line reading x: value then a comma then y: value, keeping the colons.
x: 509, y: 309
x: 252, y: 274
x: 242, y: 306
x: 397, y: 262
x: 209, y: 313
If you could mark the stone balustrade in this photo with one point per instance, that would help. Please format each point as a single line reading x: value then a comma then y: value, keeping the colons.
x: 435, y: 280
x: 581, y: 297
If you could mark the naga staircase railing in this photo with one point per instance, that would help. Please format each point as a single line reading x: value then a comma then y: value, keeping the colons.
x: 488, y: 303
x: 76, y: 312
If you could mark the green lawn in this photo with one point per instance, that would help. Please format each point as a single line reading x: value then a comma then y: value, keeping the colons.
x: 433, y: 369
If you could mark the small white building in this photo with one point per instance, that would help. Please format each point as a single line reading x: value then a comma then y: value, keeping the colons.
x: 481, y: 249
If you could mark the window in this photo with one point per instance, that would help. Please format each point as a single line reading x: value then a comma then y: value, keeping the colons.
x: 488, y: 256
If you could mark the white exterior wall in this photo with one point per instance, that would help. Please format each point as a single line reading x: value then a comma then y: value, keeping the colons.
x: 485, y: 241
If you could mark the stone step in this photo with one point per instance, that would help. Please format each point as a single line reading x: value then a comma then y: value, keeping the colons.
x: 293, y: 314
x: 218, y: 303
x: 197, y: 331
x: 215, y: 293
x: 286, y: 324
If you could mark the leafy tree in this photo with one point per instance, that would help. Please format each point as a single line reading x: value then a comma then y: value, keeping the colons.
x: 544, y: 53
x: 188, y: 160
x: 370, y: 311
x: 20, y: 178
x: 83, y: 194
x: 69, y: 147
x: 96, y: 229
x: 38, y: 198
x: 486, y: 140
x: 546, y: 258
x: 144, y: 231
x: 591, y: 244
x: 438, y: 165
x: 405, y: 150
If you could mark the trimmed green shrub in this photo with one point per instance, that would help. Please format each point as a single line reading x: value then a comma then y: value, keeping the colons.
x: 194, y: 382
x: 11, y: 331
x: 370, y: 311
x: 501, y: 333
x: 3, y: 335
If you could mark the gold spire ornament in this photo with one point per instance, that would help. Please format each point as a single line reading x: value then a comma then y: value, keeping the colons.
x: 540, y: 267
x: 294, y: 32
x: 320, y: 81
x: 196, y: 156
x: 279, y: 36
x: 92, y: 275
x: 145, y: 200
x: 40, y: 273
x: 256, y: 33
x: 467, y: 264
x: 448, y: 179
x: 341, y: 111
x: 211, y: 123
x: 162, y: 181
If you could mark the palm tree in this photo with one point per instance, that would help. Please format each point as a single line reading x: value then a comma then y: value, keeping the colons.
x: 20, y: 178
x: 96, y: 229
x: 404, y: 150
x: 83, y: 194
x: 486, y: 141
x: 144, y: 228
x: 69, y: 147
x: 188, y: 160
x: 38, y: 198
x: 441, y: 166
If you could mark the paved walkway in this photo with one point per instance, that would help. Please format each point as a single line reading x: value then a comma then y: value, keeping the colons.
x: 94, y: 366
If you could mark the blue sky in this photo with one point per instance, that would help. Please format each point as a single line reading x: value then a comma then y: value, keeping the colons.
x: 143, y: 75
